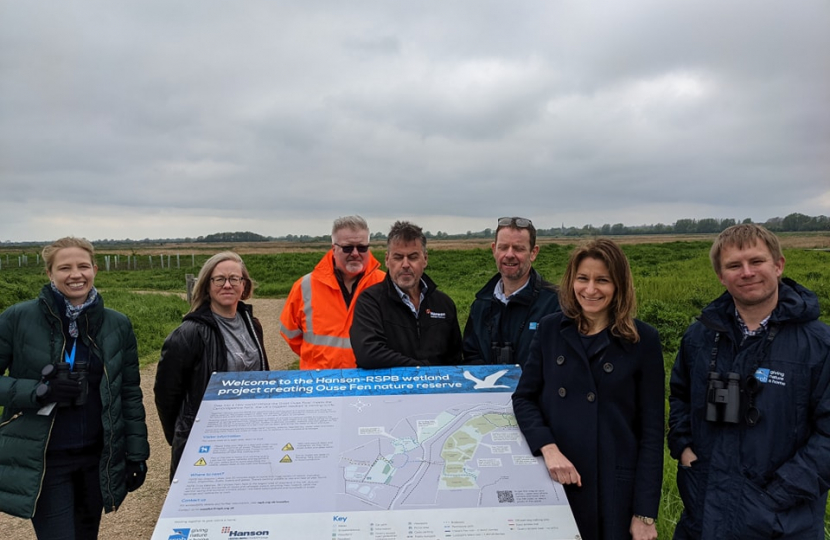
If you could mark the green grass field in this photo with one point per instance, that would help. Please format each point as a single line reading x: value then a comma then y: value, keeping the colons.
x: 673, y: 282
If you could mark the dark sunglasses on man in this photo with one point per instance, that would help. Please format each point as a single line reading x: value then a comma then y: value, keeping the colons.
x: 348, y: 249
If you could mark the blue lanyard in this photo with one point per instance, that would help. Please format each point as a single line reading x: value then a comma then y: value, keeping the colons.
x: 70, y: 357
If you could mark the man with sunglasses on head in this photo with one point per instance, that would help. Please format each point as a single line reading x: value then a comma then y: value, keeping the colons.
x: 318, y: 312
x: 749, y: 419
x: 505, y: 313
x: 405, y: 320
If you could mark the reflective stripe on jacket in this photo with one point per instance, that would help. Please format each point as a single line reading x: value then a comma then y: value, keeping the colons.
x: 315, y: 321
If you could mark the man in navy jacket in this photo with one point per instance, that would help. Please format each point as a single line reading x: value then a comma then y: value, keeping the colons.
x: 506, y: 311
x: 750, y: 401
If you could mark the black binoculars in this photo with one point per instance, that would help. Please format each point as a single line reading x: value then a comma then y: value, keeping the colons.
x: 502, y: 354
x: 723, y: 403
x: 62, y: 370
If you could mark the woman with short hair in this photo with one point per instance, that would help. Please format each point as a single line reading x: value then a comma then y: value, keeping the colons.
x: 219, y: 333
x: 591, y: 401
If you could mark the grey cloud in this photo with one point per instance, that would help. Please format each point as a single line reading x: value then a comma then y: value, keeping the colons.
x: 287, y: 114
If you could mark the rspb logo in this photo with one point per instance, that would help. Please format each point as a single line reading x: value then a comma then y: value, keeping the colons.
x: 179, y: 534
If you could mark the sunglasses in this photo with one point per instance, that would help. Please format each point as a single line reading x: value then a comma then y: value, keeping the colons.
x: 519, y: 222
x: 348, y: 249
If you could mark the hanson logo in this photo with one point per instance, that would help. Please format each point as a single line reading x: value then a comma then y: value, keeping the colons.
x: 236, y: 535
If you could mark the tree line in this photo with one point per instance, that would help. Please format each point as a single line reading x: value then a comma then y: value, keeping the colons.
x: 791, y: 223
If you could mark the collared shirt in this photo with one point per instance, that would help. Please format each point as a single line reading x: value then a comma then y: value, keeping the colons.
x: 750, y: 333
x: 498, y: 292
x: 407, y: 301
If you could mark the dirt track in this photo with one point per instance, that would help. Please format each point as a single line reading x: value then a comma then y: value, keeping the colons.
x: 136, y: 518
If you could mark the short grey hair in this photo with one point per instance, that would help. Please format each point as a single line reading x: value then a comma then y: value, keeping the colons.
x: 355, y: 223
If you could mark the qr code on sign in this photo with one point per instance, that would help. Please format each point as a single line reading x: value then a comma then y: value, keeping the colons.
x: 505, y: 496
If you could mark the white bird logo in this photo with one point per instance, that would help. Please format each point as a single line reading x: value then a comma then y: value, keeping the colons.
x: 488, y: 382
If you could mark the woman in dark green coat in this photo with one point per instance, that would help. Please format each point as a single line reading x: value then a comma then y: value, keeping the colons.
x: 73, y: 440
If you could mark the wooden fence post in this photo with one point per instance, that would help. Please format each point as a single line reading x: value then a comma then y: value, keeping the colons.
x: 190, y: 280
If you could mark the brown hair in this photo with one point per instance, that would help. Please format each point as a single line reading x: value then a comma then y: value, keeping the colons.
x: 623, y: 305
x: 404, y: 231
x: 201, y: 289
x: 49, y: 251
x: 741, y: 236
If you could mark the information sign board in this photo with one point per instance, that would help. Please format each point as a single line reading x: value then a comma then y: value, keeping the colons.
x: 398, y: 454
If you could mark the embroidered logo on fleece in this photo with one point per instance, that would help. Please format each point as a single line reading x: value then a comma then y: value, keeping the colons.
x: 436, y: 315
x: 768, y: 376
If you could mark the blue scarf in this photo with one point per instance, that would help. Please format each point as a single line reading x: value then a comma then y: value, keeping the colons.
x: 73, y: 312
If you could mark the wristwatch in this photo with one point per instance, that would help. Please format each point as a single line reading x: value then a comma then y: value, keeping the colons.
x: 646, y: 520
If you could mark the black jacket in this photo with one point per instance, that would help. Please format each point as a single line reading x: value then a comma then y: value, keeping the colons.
x: 491, y: 321
x: 385, y: 333
x: 189, y: 356
x: 605, y: 413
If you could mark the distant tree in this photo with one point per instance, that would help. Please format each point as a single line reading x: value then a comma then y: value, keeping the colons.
x: 774, y: 224
x: 708, y: 225
x: 795, y: 222
x: 245, y: 236
x: 605, y: 229
x: 618, y: 228
x: 685, y: 226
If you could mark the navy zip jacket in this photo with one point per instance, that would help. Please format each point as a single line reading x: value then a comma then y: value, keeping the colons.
x: 769, y: 480
x: 491, y: 321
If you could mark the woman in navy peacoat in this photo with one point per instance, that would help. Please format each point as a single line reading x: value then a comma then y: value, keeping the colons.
x: 591, y: 398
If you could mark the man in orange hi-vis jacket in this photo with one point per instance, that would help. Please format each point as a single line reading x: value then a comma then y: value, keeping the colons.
x: 318, y: 312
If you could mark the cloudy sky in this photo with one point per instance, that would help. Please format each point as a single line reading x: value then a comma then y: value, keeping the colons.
x: 160, y: 119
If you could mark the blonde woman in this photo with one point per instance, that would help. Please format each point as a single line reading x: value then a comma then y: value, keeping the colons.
x: 73, y: 440
x: 219, y: 333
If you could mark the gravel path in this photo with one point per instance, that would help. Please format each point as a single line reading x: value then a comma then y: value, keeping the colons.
x: 136, y: 518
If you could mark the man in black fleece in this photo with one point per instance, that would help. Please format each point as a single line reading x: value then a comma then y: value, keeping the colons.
x: 405, y: 320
